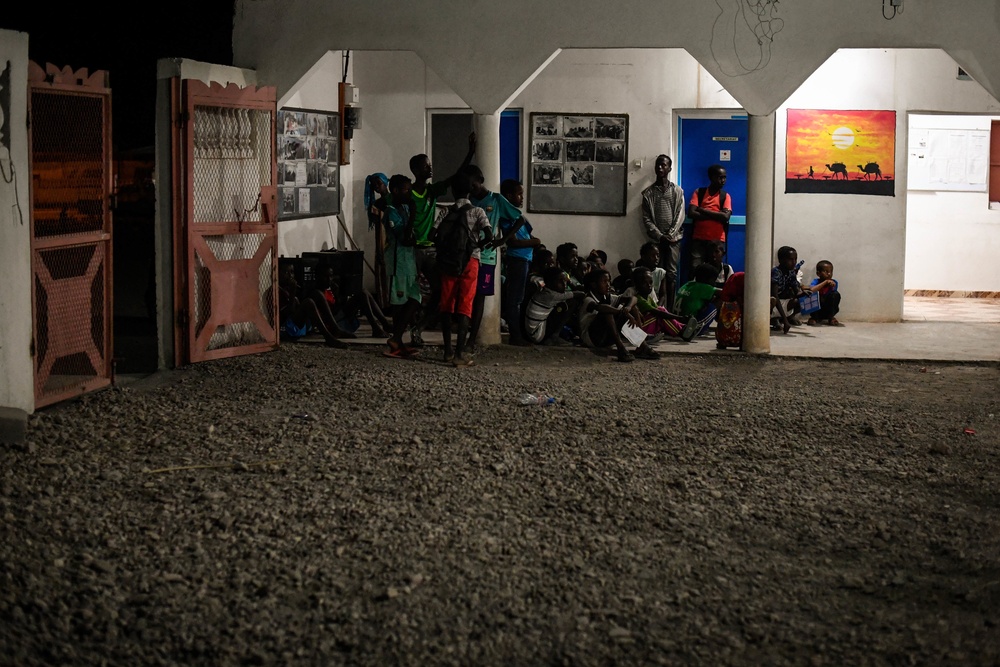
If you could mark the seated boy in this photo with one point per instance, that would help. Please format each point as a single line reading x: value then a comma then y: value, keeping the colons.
x: 602, y: 315
x: 829, y: 295
x: 624, y: 279
x: 786, y: 288
x: 649, y: 257
x: 548, y: 310
x: 654, y: 319
x: 700, y: 297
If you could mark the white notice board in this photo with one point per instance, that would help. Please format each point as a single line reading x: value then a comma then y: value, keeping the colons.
x: 948, y: 159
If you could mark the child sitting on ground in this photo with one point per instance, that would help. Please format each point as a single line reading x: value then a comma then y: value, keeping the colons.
x: 649, y: 257
x: 549, y: 309
x: 298, y: 316
x: 829, y: 295
x: 700, y: 297
x: 786, y: 288
x: 624, y: 279
x: 602, y: 315
x: 725, y: 270
x: 654, y: 319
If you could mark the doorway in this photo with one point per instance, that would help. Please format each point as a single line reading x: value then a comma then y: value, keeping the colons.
x: 706, y: 137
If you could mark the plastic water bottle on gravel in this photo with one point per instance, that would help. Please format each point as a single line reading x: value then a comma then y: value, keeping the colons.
x: 532, y: 399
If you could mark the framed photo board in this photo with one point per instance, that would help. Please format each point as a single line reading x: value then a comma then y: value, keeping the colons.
x: 578, y: 163
x: 308, y: 154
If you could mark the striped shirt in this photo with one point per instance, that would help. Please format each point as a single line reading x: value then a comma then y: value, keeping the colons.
x: 663, y: 211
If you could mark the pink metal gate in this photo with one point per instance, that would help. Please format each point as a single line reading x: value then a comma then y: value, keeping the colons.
x: 225, y: 233
x: 70, y: 150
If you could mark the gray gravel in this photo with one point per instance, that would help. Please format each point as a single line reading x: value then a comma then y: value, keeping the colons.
x: 320, y: 506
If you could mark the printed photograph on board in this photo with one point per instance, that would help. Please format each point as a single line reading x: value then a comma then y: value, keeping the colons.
x: 288, y: 200
x: 611, y: 151
x: 546, y: 126
x: 544, y: 175
x: 580, y: 151
x: 578, y: 127
x: 609, y: 128
x: 581, y: 176
x: 546, y: 151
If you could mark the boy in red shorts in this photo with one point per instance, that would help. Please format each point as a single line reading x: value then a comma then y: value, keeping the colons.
x: 459, y: 291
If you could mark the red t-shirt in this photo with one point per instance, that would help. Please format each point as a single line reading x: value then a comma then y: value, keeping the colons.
x: 710, y: 230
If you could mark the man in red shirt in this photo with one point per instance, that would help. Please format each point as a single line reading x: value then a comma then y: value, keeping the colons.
x: 710, y: 209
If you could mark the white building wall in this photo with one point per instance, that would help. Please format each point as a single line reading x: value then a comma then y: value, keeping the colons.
x: 16, y: 368
x: 866, y: 237
x: 862, y: 235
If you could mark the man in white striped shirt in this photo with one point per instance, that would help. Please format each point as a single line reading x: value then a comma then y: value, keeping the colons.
x: 663, y: 214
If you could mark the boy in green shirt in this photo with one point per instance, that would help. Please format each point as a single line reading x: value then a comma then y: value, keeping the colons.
x: 700, y: 297
x: 424, y: 195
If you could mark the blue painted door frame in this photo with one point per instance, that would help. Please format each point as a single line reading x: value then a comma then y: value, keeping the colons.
x: 702, y: 142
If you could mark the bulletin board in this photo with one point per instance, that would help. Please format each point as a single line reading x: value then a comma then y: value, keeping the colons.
x: 945, y: 159
x: 578, y: 163
x: 308, y: 153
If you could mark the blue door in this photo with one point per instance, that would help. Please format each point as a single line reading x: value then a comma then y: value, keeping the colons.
x: 708, y: 141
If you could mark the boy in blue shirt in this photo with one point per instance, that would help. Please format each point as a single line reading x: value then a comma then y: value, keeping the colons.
x: 521, y: 245
x: 829, y: 296
x: 496, y: 208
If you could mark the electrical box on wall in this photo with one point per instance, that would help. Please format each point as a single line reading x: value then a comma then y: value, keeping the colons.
x: 350, y: 119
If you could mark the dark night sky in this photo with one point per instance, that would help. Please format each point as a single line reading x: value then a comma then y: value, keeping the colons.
x: 127, y: 43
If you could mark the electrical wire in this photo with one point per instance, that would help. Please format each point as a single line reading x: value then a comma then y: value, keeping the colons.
x: 887, y: 17
x: 13, y: 179
x: 347, y: 61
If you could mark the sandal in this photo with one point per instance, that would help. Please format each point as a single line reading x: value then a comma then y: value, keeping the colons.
x: 395, y: 353
x: 834, y: 322
x: 463, y: 363
x: 646, y: 353
x: 626, y: 357
x: 811, y: 322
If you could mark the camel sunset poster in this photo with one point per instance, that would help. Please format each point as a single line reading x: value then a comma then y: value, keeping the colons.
x: 840, y: 152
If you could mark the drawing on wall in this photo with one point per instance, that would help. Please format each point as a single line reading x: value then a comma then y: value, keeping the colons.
x: 308, y: 153
x: 578, y: 163
x: 840, y: 152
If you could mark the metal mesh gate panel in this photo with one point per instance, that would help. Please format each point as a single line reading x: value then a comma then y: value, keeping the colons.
x: 71, y: 231
x: 228, y: 227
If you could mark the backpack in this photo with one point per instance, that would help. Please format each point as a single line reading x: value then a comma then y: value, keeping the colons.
x: 454, y: 242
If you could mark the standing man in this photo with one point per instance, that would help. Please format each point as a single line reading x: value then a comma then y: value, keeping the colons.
x: 710, y: 208
x: 663, y: 216
x: 424, y: 194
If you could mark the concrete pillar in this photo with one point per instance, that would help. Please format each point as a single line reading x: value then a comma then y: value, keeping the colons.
x: 760, y: 231
x: 488, y: 159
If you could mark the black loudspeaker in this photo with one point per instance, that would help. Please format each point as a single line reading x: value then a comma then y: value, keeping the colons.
x: 347, y: 265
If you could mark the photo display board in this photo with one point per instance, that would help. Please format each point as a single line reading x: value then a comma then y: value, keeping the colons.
x: 308, y: 163
x: 578, y: 163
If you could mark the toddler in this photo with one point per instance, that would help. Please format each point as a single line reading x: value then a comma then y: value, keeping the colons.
x: 829, y: 295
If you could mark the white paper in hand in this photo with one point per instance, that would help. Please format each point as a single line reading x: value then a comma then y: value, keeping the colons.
x: 633, y: 334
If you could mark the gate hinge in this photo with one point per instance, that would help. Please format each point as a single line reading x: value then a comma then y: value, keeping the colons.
x: 183, y: 319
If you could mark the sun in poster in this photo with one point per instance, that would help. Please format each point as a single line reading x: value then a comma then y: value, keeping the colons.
x: 840, y: 152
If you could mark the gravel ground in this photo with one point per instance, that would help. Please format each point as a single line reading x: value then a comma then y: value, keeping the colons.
x: 319, y: 506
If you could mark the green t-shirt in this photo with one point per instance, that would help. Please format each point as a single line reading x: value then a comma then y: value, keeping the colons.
x: 693, y: 296
x: 497, y: 207
x: 425, y: 209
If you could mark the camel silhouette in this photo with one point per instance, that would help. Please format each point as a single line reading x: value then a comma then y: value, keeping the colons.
x: 869, y: 170
x: 838, y: 168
